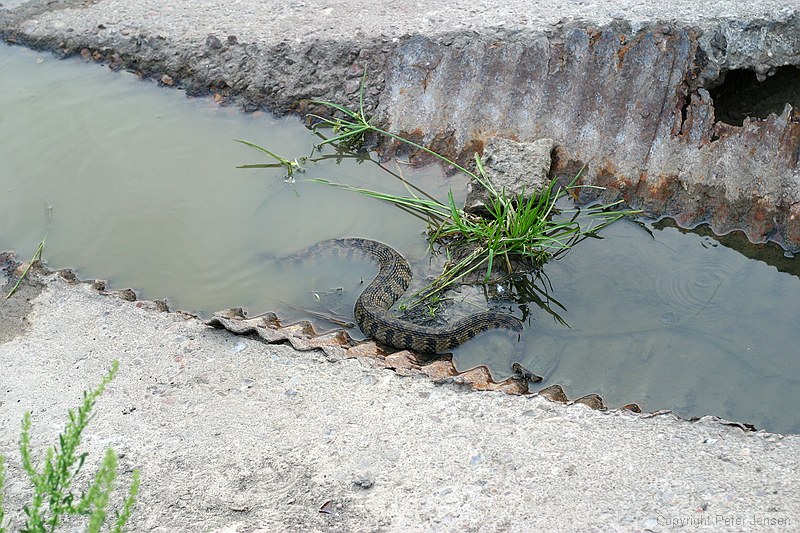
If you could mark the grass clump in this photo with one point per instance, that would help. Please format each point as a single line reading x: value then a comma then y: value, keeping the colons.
x: 518, y: 233
x: 53, y: 498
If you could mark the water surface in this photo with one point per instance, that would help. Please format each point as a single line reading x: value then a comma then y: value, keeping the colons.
x: 672, y: 321
x: 137, y: 184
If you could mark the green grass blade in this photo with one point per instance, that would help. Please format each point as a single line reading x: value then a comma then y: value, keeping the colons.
x: 263, y: 150
x: 37, y: 256
x: 262, y: 165
x: 426, y: 150
x: 338, y: 107
x: 344, y: 136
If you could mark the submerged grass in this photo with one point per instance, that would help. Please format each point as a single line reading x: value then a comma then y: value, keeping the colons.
x: 519, y: 231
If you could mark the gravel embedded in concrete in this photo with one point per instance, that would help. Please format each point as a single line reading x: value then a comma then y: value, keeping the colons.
x: 274, y: 20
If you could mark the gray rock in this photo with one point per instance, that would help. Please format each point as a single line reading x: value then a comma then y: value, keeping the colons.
x: 514, y: 167
x: 213, y: 42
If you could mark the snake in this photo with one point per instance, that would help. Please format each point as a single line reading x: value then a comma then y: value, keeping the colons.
x: 394, y: 276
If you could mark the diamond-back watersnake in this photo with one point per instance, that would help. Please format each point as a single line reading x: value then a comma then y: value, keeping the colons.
x: 393, y: 278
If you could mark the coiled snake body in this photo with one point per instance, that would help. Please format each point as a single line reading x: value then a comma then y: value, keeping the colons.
x: 372, y: 306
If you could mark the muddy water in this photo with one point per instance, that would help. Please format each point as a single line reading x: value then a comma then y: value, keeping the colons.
x: 672, y: 320
x: 137, y: 184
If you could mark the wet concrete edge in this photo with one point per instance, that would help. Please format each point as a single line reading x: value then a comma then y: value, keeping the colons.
x: 301, y: 336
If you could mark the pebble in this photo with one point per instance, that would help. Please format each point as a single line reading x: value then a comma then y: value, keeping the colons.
x: 650, y: 523
x: 364, y: 482
x: 213, y: 42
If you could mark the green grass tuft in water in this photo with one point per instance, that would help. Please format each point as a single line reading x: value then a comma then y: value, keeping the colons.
x: 517, y: 230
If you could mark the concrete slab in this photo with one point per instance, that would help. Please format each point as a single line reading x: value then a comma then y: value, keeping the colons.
x: 232, y: 434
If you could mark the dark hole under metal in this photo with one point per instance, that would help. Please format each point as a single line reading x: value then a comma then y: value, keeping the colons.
x: 741, y: 95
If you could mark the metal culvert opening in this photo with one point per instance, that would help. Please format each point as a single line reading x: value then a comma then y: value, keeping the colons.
x: 742, y: 95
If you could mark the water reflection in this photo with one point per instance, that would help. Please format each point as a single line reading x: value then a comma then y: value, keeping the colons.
x: 671, y: 321
x: 768, y: 252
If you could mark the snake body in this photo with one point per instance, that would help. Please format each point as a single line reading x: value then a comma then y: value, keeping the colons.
x: 393, y: 278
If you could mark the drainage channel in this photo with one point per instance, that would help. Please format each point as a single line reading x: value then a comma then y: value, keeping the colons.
x: 139, y: 184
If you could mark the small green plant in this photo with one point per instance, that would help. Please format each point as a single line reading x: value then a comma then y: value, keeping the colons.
x: 519, y: 234
x: 352, y: 127
x: 290, y: 165
x: 37, y: 256
x: 53, y: 498
x: 3, y: 528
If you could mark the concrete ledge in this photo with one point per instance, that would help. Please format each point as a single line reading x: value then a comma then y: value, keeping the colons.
x: 232, y: 434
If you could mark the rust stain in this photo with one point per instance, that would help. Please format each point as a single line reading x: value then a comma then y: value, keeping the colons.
x: 622, y: 51
x: 789, y: 141
x: 472, y: 147
x: 554, y: 393
x: 594, y: 36
x: 762, y: 214
x: 565, y: 165
x: 793, y: 226
x: 626, y: 43
x: 723, y: 131
x: 591, y: 400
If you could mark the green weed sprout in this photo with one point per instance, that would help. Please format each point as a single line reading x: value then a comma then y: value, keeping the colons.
x: 53, y: 498
x: 37, y: 256
x: 290, y: 165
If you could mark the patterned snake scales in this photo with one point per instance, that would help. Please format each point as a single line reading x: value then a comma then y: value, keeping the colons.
x: 372, y: 307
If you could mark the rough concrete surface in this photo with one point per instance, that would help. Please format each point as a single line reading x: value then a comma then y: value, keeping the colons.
x: 232, y: 434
